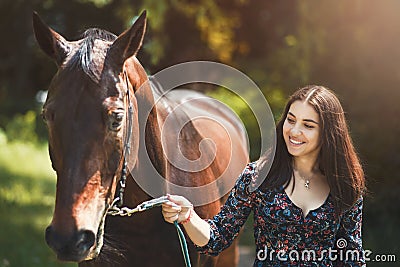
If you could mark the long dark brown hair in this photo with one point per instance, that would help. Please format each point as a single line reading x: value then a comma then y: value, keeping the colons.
x: 337, y: 159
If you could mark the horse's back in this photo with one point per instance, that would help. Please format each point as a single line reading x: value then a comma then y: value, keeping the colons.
x: 197, y: 118
x: 205, y: 110
x: 207, y: 138
x: 196, y: 104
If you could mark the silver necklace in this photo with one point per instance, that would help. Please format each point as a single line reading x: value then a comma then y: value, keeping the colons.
x: 307, y: 184
x: 306, y: 181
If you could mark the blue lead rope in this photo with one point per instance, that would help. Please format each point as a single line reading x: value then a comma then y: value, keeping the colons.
x: 182, y: 241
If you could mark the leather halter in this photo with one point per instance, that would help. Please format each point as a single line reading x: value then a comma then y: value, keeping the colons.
x: 119, y: 193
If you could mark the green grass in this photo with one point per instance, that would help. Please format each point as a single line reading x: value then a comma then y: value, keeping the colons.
x: 27, y: 190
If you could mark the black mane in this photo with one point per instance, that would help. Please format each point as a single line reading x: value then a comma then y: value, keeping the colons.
x: 96, y: 33
x: 83, y: 57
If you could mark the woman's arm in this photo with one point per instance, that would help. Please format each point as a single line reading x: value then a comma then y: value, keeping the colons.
x: 214, y: 235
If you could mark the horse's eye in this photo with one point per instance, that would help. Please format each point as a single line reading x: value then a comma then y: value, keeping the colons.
x: 116, y: 118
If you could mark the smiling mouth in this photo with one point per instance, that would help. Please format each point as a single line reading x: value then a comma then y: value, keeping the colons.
x: 295, y: 142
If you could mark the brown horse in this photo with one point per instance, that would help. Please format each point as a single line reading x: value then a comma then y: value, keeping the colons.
x: 89, y: 125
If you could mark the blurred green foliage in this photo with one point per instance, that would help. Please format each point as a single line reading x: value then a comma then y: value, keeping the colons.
x: 349, y: 46
x: 22, y: 127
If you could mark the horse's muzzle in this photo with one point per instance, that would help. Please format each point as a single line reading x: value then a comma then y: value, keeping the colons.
x: 74, y: 247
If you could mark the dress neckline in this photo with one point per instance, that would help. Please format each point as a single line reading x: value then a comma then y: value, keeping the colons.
x: 304, y: 216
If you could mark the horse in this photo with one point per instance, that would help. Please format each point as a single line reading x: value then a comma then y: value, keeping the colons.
x: 102, y: 113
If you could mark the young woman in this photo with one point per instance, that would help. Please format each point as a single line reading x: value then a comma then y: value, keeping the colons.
x: 308, y: 210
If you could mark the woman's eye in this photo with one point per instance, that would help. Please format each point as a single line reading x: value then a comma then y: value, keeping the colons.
x: 308, y: 126
x: 290, y: 120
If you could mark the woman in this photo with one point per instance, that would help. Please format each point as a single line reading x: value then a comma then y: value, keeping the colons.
x: 308, y: 210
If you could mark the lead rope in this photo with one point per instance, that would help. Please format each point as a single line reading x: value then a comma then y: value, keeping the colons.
x: 182, y: 241
x: 146, y: 205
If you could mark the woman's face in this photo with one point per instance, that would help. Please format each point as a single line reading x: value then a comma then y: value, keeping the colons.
x: 301, y: 130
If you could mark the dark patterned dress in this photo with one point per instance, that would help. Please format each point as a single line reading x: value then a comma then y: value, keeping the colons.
x: 283, y: 236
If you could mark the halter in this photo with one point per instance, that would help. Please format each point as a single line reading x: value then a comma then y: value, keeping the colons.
x: 119, y: 200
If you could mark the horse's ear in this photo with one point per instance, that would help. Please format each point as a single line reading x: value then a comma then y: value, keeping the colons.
x: 52, y: 43
x: 129, y: 42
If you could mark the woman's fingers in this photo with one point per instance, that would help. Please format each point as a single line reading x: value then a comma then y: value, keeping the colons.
x: 177, y: 209
x: 171, y: 206
x: 179, y: 200
x: 170, y: 216
x: 170, y: 211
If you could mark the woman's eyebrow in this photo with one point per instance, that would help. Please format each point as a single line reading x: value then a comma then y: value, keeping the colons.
x: 308, y: 120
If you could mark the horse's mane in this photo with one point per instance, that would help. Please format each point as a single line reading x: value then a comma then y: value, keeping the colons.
x: 156, y: 87
x: 160, y: 94
x: 179, y: 114
x: 83, y: 58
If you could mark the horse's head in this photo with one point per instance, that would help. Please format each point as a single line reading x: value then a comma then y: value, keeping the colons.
x: 87, y: 120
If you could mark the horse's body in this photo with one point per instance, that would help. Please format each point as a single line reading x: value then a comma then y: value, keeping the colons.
x: 86, y: 113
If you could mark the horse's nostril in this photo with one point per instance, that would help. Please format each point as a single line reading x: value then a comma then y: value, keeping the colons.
x: 85, y: 240
x: 73, y: 247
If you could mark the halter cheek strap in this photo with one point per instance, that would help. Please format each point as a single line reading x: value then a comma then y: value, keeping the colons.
x: 119, y: 200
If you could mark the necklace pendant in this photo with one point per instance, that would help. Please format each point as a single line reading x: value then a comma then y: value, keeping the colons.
x: 307, y: 184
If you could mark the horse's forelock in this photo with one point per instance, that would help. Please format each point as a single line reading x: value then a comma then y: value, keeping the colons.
x: 91, y: 52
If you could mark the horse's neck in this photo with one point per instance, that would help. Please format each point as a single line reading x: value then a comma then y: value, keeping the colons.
x: 151, y: 145
x: 151, y: 160
x: 149, y: 164
x: 147, y: 115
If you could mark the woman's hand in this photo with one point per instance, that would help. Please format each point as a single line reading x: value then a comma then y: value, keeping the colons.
x: 181, y: 210
x: 177, y: 209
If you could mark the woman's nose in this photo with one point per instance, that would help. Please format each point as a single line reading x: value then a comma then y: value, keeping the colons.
x: 295, y: 131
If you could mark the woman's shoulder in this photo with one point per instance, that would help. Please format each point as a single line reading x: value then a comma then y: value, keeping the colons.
x: 355, y: 208
x: 251, y: 180
x: 247, y: 188
x: 251, y: 169
x: 249, y: 174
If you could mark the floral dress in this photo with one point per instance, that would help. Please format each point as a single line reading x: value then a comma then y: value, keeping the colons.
x: 283, y: 236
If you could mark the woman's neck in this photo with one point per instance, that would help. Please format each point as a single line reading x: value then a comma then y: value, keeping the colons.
x: 305, y: 165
